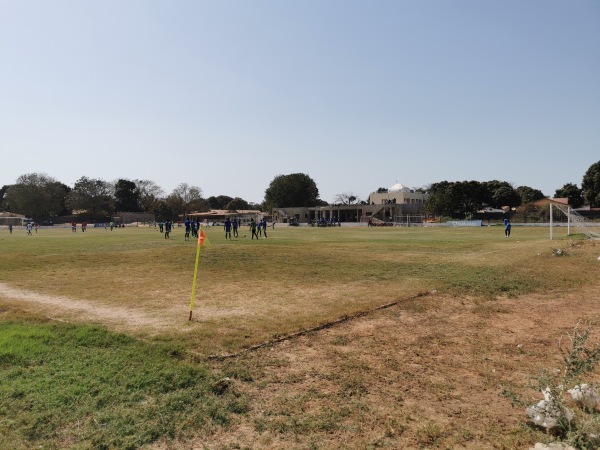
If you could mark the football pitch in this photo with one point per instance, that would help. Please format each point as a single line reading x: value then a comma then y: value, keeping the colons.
x: 311, y: 338
x: 250, y: 291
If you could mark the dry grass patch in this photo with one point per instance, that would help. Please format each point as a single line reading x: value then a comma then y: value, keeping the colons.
x: 403, y: 379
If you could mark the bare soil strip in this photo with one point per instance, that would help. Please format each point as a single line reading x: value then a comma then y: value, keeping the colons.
x: 82, y: 310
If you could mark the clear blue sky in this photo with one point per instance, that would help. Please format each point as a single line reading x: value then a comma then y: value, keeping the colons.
x: 225, y: 95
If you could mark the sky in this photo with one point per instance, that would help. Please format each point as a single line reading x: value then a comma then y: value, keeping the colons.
x: 228, y: 94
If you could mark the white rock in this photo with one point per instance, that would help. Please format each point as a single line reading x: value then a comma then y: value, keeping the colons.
x: 552, y: 446
x: 586, y: 396
x: 546, y: 413
x: 542, y: 415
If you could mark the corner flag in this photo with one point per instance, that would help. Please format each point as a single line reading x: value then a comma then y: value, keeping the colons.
x: 201, y: 238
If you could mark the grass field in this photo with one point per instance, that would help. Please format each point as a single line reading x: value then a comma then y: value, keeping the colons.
x: 97, y: 350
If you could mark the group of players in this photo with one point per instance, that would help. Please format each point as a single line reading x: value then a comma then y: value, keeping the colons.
x: 231, y: 228
x: 257, y: 228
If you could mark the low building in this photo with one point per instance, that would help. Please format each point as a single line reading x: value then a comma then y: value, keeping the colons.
x: 398, y: 204
x: 133, y: 217
x: 7, y: 218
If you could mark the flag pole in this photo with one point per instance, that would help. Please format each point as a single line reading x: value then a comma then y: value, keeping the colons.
x: 201, y: 237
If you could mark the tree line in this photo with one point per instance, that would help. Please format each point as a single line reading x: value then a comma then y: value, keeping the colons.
x: 464, y: 197
x: 40, y: 196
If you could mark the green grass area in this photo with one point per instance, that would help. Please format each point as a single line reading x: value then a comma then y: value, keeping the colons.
x: 64, y: 385
x: 115, y: 385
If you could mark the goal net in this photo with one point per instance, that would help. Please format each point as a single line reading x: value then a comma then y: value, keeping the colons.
x: 574, y: 220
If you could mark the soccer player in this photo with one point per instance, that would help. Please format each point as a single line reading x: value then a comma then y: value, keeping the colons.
x: 253, y: 228
x: 167, y: 229
x: 227, y: 228
x: 187, y: 229
x: 507, y: 228
x: 235, y: 228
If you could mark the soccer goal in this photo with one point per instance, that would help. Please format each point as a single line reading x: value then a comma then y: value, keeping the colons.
x: 408, y: 220
x: 559, y: 213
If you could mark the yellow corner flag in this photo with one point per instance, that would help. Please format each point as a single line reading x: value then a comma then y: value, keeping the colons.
x: 201, y: 238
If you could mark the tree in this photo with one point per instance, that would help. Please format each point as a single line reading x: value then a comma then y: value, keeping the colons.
x: 237, y: 204
x: 457, y: 198
x: 572, y: 192
x: 219, y: 202
x: 148, y: 195
x: 591, y: 185
x: 3, y: 190
x: 198, y: 205
x: 168, y: 207
x: 296, y: 189
x: 187, y: 199
x: 95, y: 196
x: 501, y: 193
x: 529, y: 195
x: 439, y: 201
x: 347, y: 198
x: 126, y: 196
x: 468, y: 196
x: 36, y: 195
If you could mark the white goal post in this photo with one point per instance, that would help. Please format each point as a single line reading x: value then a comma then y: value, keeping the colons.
x: 580, y: 223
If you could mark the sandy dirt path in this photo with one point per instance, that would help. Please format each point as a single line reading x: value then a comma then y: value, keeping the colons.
x: 66, y: 309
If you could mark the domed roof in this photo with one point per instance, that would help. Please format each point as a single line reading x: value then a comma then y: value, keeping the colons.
x: 399, y: 187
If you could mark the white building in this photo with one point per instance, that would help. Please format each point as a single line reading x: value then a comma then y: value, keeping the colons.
x: 398, y: 194
x: 398, y: 204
